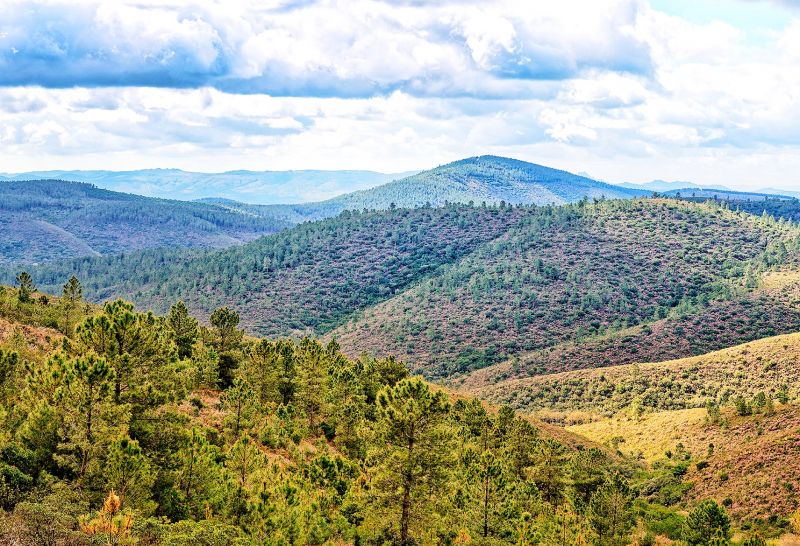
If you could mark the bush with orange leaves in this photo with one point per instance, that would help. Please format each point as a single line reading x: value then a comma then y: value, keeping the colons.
x: 111, y: 522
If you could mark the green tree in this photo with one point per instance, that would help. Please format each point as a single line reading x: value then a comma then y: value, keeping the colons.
x: 742, y: 407
x: 610, y: 512
x: 412, y: 454
x: 312, y: 381
x: 550, y: 470
x: 183, y: 328
x: 89, y: 417
x: 72, y: 292
x: 238, y: 402
x: 9, y: 367
x: 705, y: 521
x: 138, y: 347
x: 129, y: 474
x: 228, y: 338
x: 198, y: 476
x: 25, y: 287
x: 242, y: 461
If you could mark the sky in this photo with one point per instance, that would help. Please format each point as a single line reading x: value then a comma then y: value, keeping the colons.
x: 706, y: 91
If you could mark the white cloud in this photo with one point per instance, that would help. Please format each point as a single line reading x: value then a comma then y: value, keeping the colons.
x: 611, y: 87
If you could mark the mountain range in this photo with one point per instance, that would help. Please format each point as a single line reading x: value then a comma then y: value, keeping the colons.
x: 578, y: 333
x: 261, y: 187
x: 51, y: 220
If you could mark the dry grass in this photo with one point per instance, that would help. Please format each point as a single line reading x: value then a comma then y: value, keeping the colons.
x: 764, y: 365
x: 754, y: 462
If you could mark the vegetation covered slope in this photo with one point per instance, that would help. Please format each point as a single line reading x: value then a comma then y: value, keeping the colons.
x: 484, y: 179
x: 571, y: 274
x: 43, y: 220
x: 307, y: 279
x: 769, y: 365
x: 770, y: 308
x: 748, y: 463
x: 154, y: 429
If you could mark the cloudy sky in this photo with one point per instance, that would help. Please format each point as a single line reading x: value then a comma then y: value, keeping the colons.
x: 699, y: 90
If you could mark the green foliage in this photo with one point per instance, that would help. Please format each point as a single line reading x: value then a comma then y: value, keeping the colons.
x: 184, y: 329
x: 610, y: 512
x: 411, y: 457
x: 303, y: 446
x: 25, y: 287
x: 708, y: 523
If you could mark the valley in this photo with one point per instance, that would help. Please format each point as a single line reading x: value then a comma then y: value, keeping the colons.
x: 572, y: 348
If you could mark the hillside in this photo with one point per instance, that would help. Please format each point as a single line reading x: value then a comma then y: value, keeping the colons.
x: 45, y: 220
x: 484, y: 179
x: 459, y: 288
x: 767, y: 365
x: 304, y: 280
x: 771, y: 307
x: 749, y: 463
x: 261, y: 187
x: 103, y: 447
x: 575, y: 274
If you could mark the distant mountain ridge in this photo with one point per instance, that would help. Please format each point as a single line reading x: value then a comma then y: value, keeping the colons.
x: 261, y: 187
x: 44, y: 220
x: 482, y: 179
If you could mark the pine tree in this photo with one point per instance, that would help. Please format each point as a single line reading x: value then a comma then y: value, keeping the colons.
x: 112, y: 522
x: 183, y: 327
x: 412, y: 454
x: 89, y: 417
x: 198, y: 477
x: 129, y: 473
x: 610, y: 512
x: 138, y: 347
x: 228, y: 339
x: 312, y: 381
x: 26, y: 287
x: 238, y: 402
x: 704, y: 522
x: 71, y: 297
x: 72, y: 292
x: 549, y: 470
x: 242, y: 461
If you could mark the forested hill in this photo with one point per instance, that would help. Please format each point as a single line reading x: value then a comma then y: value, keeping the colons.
x: 484, y: 179
x: 304, y: 280
x: 575, y: 274
x: 456, y: 288
x: 43, y: 220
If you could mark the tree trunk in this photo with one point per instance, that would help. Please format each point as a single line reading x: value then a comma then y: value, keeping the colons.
x: 408, y: 479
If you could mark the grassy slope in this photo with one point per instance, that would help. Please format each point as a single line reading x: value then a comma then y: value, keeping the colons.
x: 568, y: 274
x: 763, y: 365
x: 754, y: 461
x: 45, y: 220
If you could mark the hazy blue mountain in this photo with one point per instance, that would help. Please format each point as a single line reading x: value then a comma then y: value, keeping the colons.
x: 261, y: 187
x: 43, y: 220
x: 774, y: 191
x: 731, y: 195
x: 487, y: 179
